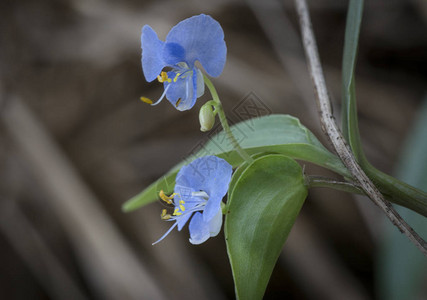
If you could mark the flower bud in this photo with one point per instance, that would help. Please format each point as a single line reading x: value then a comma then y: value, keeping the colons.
x: 206, y: 117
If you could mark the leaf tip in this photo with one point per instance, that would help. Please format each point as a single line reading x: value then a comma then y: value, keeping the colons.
x: 127, y: 207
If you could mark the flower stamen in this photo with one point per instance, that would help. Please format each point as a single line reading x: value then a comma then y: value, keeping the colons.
x: 162, y: 96
x: 146, y: 100
x: 164, y: 77
x: 176, y: 212
x: 167, y: 199
x: 176, y: 77
x: 164, y: 215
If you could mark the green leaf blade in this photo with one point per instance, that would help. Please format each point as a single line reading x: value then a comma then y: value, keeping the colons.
x: 150, y: 194
x: 282, y: 134
x: 398, y: 259
x: 262, y: 209
x: 350, y: 125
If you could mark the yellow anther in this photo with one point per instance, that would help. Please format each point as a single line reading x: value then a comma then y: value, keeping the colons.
x: 163, y: 77
x: 164, y: 215
x: 165, y: 198
x: 146, y: 100
x: 176, y: 77
x: 177, y: 102
x: 181, y: 202
x: 176, y: 212
x: 182, y: 207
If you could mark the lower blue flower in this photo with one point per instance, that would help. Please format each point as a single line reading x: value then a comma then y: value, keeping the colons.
x: 199, y: 190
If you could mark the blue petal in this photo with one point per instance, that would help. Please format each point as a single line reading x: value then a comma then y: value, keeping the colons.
x: 200, y: 82
x: 152, y: 49
x: 199, y: 229
x: 183, y: 220
x: 173, y: 53
x: 210, y: 174
x: 181, y: 90
x: 184, y: 193
x: 203, y: 39
x: 217, y: 186
x: 184, y: 88
x: 193, y: 174
x: 215, y: 224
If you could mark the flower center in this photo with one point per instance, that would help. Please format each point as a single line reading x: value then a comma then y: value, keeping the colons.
x: 163, y: 77
x: 196, y: 202
x: 179, y: 71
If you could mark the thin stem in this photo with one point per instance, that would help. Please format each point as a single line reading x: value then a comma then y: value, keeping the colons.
x: 320, y: 181
x: 331, y: 129
x: 223, y: 119
x: 393, y: 189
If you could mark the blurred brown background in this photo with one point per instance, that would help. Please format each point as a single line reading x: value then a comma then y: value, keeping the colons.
x: 76, y: 143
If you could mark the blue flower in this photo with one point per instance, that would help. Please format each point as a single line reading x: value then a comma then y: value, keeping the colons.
x: 199, y: 38
x: 199, y: 189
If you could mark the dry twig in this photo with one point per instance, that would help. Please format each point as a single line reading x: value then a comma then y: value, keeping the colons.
x: 331, y: 129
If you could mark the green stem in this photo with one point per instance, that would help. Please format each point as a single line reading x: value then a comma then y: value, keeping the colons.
x: 222, y: 118
x: 319, y: 181
x: 395, y: 190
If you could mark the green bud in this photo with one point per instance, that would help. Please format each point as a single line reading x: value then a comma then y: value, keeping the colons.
x: 206, y: 117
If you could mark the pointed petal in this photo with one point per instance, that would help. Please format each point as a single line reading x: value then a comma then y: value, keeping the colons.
x: 200, y: 84
x: 199, y: 230
x: 212, y: 207
x: 217, y: 185
x: 177, y: 90
x: 184, y: 89
x: 202, y: 38
x: 215, y: 224
x: 152, y: 49
x: 183, y: 220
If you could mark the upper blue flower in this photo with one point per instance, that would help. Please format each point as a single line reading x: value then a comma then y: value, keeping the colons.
x: 199, y: 189
x: 199, y: 38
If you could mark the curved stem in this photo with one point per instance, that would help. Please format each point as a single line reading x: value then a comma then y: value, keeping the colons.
x: 335, y: 136
x: 393, y: 189
x: 223, y: 119
x: 320, y: 181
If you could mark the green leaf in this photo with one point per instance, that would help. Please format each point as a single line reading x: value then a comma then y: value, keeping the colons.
x: 240, y: 169
x: 262, y: 209
x: 350, y: 126
x: 150, y: 194
x: 281, y: 134
x: 399, y: 261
